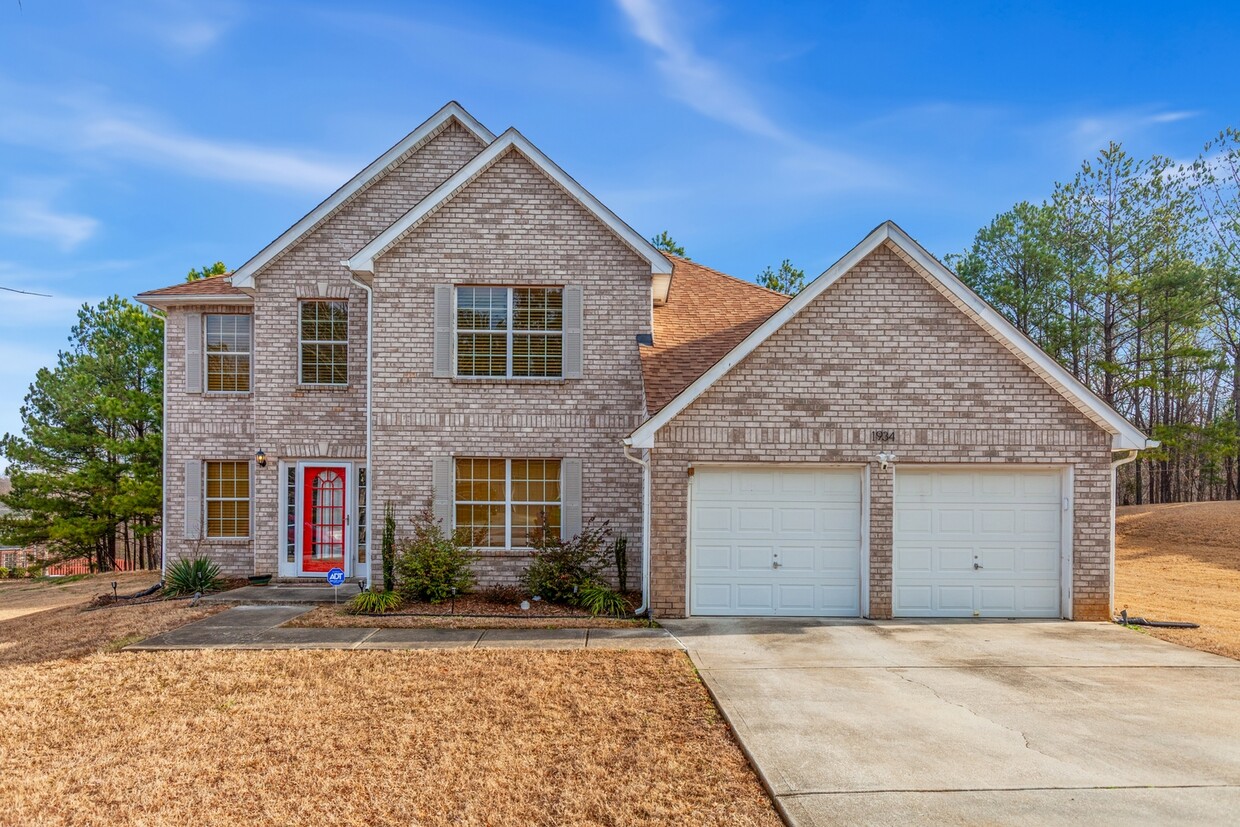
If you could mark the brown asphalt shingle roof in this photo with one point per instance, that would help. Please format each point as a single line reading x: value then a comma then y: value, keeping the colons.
x: 706, y: 315
x: 209, y: 286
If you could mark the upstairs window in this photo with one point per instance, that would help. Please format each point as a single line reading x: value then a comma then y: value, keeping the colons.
x: 324, y: 340
x: 228, y: 353
x: 515, y: 332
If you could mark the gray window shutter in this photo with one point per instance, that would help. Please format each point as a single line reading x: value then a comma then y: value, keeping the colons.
x: 193, y: 353
x: 441, y: 482
x: 193, y: 499
x: 572, y: 332
x: 443, y: 330
x: 570, y: 502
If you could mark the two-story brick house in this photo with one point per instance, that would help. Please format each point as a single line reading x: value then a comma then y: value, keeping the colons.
x: 463, y: 324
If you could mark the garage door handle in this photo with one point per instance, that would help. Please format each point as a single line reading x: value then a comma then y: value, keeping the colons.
x: 775, y: 565
x: 977, y: 566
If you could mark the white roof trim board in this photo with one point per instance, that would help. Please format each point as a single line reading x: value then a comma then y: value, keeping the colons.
x: 363, y: 261
x: 1125, y: 435
x: 192, y: 298
x: 244, y: 276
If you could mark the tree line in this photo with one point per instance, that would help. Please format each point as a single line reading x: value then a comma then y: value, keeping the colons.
x: 1129, y: 276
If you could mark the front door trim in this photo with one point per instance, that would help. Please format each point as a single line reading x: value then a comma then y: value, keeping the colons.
x: 349, y: 508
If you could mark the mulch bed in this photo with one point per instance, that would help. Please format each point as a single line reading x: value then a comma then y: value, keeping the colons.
x: 103, y: 601
x: 488, y: 604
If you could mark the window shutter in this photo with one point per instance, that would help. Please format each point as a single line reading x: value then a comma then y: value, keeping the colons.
x: 193, y: 353
x: 441, y: 482
x: 570, y: 503
x: 443, y: 330
x: 193, y: 499
x: 572, y: 332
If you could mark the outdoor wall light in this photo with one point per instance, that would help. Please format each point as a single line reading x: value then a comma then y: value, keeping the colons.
x: 261, y: 458
x: 885, y: 459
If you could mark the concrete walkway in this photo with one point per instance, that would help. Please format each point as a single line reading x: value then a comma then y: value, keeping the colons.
x: 976, y: 722
x: 261, y: 627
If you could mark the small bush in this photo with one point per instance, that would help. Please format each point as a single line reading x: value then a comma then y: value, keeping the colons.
x: 4, y: 571
x: 374, y: 603
x: 192, y: 574
x: 598, y: 599
x: 620, y: 553
x: 35, y: 570
x: 18, y: 572
x: 503, y: 595
x: 433, y: 565
x: 561, y: 567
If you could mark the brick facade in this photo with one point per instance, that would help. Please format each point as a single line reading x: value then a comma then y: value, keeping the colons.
x: 882, y: 348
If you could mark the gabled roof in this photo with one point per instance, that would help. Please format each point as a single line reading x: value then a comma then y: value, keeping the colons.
x: 706, y: 315
x: 1125, y: 435
x: 453, y: 111
x: 363, y: 261
x: 210, y: 290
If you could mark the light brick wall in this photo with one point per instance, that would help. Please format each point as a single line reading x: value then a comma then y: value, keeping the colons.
x: 882, y: 348
x: 512, y: 226
x: 285, y: 419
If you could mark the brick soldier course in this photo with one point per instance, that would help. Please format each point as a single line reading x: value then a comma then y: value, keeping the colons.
x: 883, y: 346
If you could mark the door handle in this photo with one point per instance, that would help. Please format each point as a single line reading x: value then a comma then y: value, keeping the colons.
x: 977, y: 566
x: 775, y: 565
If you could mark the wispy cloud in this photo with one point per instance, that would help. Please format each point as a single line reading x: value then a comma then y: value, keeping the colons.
x: 183, y: 27
x: 85, y: 123
x: 1087, y: 134
x: 36, y: 218
x: 696, y: 81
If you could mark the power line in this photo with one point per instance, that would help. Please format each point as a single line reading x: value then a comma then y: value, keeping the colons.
x: 26, y: 292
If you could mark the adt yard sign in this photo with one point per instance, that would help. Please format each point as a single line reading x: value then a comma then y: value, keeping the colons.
x: 335, y: 577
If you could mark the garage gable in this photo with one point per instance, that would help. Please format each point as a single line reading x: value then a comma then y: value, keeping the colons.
x: 891, y: 238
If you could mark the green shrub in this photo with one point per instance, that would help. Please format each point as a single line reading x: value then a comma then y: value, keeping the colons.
x: 374, y: 603
x: 620, y: 553
x: 35, y: 570
x: 4, y: 571
x: 192, y: 574
x: 599, y: 599
x: 560, y: 568
x: 18, y: 572
x: 389, y: 548
x: 432, y: 565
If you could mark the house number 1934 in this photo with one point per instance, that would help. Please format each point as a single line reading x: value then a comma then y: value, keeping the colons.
x: 882, y: 436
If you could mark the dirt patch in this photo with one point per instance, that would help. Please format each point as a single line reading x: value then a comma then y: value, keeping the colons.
x: 373, y: 738
x: 1182, y: 562
x: 22, y: 597
x: 334, y: 617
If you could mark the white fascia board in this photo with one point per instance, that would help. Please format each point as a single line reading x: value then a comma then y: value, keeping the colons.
x: 244, y: 276
x: 1124, y: 434
x: 172, y: 301
x: 363, y: 261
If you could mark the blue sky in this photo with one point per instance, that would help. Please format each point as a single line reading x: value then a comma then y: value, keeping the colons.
x: 141, y: 138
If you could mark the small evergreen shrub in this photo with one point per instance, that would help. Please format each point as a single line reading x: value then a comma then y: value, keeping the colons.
x: 18, y: 572
x: 620, y: 554
x: 389, y: 547
x: 192, y: 574
x: 4, y: 572
x: 374, y: 603
x: 560, y: 568
x: 433, y: 565
x: 599, y: 599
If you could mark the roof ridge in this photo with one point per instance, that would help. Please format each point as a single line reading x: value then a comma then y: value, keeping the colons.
x: 707, y: 267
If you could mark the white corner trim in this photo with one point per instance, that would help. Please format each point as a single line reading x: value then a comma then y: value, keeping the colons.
x: 1124, y: 434
x: 244, y: 276
x: 363, y: 261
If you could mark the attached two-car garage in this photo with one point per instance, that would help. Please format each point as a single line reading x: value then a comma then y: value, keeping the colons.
x: 770, y: 540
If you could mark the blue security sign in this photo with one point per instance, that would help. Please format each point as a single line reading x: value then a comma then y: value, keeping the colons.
x: 335, y: 577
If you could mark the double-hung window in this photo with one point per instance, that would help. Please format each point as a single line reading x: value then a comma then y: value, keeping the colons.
x: 324, y: 343
x: 515, y: 332
x: 228, y: 353
x: 228, y: 499
x: 500, y: 503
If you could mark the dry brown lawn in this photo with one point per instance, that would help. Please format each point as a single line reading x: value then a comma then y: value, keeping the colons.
x: 95, y: 736
x: 331, y: 616
x: 19, y: 597
x: 1182, y: 562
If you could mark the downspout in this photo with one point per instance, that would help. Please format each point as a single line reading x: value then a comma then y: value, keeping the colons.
x: 370, y: 478
x: 644, y: 608
x: 1128, y: 457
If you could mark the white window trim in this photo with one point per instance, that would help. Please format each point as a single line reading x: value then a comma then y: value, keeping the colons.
x: 510, y: 333
x: 249, y: 358
x: 206, y: 501
x: 508, y: 501
x: 302, y: 342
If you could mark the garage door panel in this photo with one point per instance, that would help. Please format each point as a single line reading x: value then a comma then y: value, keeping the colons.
x: 1006, y: 521
x: 747, y: 519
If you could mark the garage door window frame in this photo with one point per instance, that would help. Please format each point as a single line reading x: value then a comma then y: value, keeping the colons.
x: 862, y: 468
x: 1067, y: 521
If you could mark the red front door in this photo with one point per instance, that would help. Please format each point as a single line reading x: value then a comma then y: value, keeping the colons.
x: 325, y: 518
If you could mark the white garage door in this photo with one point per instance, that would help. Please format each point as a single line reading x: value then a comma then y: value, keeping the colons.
x: 977, y: 543
x: 772, y: 541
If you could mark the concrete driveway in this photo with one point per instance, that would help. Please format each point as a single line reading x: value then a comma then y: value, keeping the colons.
x: 977, y: 722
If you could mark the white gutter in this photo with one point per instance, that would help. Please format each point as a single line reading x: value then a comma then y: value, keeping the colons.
x: 645, y: 464
x: 370, y: 373
x: 1128, y: 457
